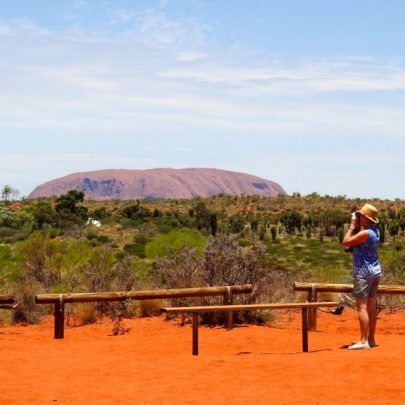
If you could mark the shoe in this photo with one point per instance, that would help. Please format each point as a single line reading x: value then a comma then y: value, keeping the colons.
x: 359, y: 346
x: 338, y: 310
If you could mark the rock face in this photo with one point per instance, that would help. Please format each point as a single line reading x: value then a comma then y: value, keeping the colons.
x: 158, y: 184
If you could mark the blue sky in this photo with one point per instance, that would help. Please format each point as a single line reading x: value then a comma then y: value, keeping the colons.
x: 310, y: 94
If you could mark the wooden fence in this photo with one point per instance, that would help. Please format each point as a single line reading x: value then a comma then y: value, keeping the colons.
x: 313, y: 289
x: 59, y: 300
x: 6, y: 302
x: 251, y: 307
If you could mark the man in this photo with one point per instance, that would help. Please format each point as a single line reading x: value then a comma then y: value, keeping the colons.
x: 366, y: 271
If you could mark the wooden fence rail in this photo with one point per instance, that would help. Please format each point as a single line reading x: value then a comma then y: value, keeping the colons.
x: 195, y: 311
x: 313, y: 288
x: 6, y: 302
x: 6, y: 299
x: 59, y: 300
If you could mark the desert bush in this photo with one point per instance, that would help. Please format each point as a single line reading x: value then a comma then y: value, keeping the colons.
x: 84, y: 313
x: 181, y: 269
x: 101, y: 273
x: 14, y: 219
x: 150, y: 307
x: 11, y: 263
x: 224, y: 262
x: 394, y: 265
x: 24, y: 293
x: 117, y: 312
x: 38, y: 249
x: 138, y: 247
x: 6, y: 232
x: 98, y: 271
x: 125, y: 277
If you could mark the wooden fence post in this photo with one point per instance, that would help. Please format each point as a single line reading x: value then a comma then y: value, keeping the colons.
x: 312, y: 313
x: 195, y: 333
x: 59, y: 318
x: 305, y: 329
x: 228, y: 301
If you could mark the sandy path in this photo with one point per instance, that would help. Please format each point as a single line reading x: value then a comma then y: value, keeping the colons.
x: 152, y: 364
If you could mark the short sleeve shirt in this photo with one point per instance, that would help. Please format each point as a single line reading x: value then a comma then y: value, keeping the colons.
x: 366, y: 263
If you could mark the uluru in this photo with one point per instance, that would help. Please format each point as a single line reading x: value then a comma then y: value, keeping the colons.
x: 161, y: 183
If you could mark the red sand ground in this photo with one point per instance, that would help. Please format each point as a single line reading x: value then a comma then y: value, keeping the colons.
x: 152, y: 364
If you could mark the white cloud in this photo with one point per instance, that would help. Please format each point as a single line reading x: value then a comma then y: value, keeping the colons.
x: 190, y: 56
x: 83, y: 161
x: 21, y: 25
x: 122, y: 16
x: 322, y: 76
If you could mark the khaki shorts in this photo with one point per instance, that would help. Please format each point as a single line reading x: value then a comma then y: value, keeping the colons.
x: 365, y: 288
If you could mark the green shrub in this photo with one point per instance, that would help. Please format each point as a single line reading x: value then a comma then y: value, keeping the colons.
x: 162, y: 245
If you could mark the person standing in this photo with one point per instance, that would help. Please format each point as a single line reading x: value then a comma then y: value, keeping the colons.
x: 363, y: 236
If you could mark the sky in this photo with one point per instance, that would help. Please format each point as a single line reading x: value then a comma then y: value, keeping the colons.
x: 307, y: 93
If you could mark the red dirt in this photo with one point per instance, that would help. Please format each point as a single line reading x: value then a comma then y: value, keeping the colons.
x: 152, y: 364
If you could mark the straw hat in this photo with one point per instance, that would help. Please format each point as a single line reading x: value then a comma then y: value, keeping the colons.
x: 370, y: 212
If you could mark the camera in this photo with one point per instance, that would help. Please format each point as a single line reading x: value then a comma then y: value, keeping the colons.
x: 355, y: 215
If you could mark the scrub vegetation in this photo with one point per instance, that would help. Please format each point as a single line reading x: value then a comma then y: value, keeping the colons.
x: 70, y: 244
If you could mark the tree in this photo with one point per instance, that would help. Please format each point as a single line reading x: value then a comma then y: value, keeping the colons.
x: 313, y: 219
x: 137, y: 212
x: 254, y: 224
x: 68, y: 213
x: 273, y: 231
x: 291, y: 221
x: 8, y: 193
x: 43, y: 213
x: 202, y: 216
x: 237, y: 223
x: 213, y: 223
x: 334, y: 218
x: 393, y: 228
x: 381, y: 227
x: 100, y: 213
x: 401, y: 219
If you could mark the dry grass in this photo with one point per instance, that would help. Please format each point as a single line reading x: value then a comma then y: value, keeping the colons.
x: 150, y: 307
x: 84, y: 313
x: 6, y: 317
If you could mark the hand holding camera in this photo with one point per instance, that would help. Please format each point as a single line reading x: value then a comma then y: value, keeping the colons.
x: 354, y: 226
x: 355, y: 221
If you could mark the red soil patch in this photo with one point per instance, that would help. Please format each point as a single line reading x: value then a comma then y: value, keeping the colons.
x: 152, y: 364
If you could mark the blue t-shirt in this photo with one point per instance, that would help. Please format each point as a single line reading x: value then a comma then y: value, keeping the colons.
x: 366, y: 263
